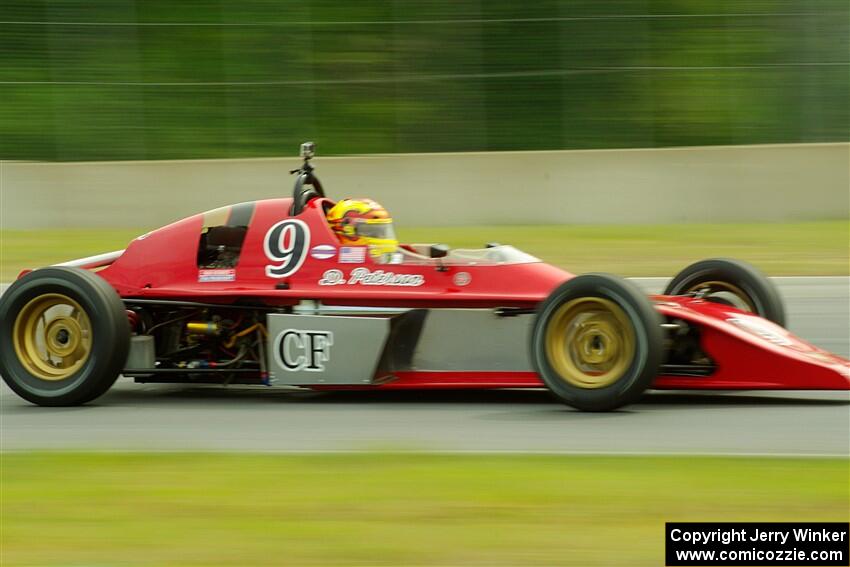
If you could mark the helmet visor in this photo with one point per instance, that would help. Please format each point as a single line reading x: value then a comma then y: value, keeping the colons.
x: 377, y: 230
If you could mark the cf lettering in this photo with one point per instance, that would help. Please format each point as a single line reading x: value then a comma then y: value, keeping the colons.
x: 304, y: 350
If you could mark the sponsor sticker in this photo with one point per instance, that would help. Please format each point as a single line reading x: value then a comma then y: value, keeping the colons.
x: 365, y: 276
x: 297, y: 350
x: 461, y: 279
x: 352, y: 254
x: 217, y: 275
x: 767, y: 331
x: 323, y: 252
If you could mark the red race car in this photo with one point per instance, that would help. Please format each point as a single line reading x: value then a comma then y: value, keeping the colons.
x: 284, y: 293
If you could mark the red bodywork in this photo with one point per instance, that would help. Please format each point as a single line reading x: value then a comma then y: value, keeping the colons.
x: 750, y: 354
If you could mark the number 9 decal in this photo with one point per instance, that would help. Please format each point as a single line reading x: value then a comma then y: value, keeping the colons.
x: 286, y: 245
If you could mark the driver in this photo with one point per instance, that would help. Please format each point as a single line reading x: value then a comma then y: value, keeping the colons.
x: 363, y: 222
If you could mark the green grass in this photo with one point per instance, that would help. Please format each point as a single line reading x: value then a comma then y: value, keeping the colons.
x: 388, y: 509
x: 812, y: 248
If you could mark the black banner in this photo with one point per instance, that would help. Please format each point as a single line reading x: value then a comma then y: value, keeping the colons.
x: 754, y: 543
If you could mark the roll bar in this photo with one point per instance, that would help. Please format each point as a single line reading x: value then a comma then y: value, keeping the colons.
x: 301, y: 195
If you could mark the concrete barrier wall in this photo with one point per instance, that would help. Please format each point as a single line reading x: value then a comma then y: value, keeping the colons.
x: 705, y: 184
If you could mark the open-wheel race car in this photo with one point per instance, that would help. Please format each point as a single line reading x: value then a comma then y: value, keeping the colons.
x: 270, y: 293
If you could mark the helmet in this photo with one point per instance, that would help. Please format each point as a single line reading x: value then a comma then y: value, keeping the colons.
x: 363, y: 222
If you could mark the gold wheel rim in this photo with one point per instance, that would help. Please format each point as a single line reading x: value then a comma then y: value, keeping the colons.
x: 710, y: 288
x: 52, y: 336
x: 590, y: 342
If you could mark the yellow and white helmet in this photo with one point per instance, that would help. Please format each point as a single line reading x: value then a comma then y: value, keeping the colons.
x: 363, y: 222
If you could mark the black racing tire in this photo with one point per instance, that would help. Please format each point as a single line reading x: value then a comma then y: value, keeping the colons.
x: 743, y: 280
x: 92, y: 321
x: 574, y: 327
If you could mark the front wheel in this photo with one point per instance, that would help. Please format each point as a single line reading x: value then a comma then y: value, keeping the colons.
x: 64, y: 336
x: 597, y: 342
x: 730, y: 282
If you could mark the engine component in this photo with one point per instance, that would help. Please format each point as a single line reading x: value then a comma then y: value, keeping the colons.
x: 208, y: 328
x: 142, y: 353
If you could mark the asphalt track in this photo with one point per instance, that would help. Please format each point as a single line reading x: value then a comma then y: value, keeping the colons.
x: 148, y: 417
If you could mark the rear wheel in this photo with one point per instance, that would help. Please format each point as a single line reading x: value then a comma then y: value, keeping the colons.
x: 597, y: 342
x: 730, y: 282
x: 64, y: 336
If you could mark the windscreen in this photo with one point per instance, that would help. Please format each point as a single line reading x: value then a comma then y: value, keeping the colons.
x: 493, y: 255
